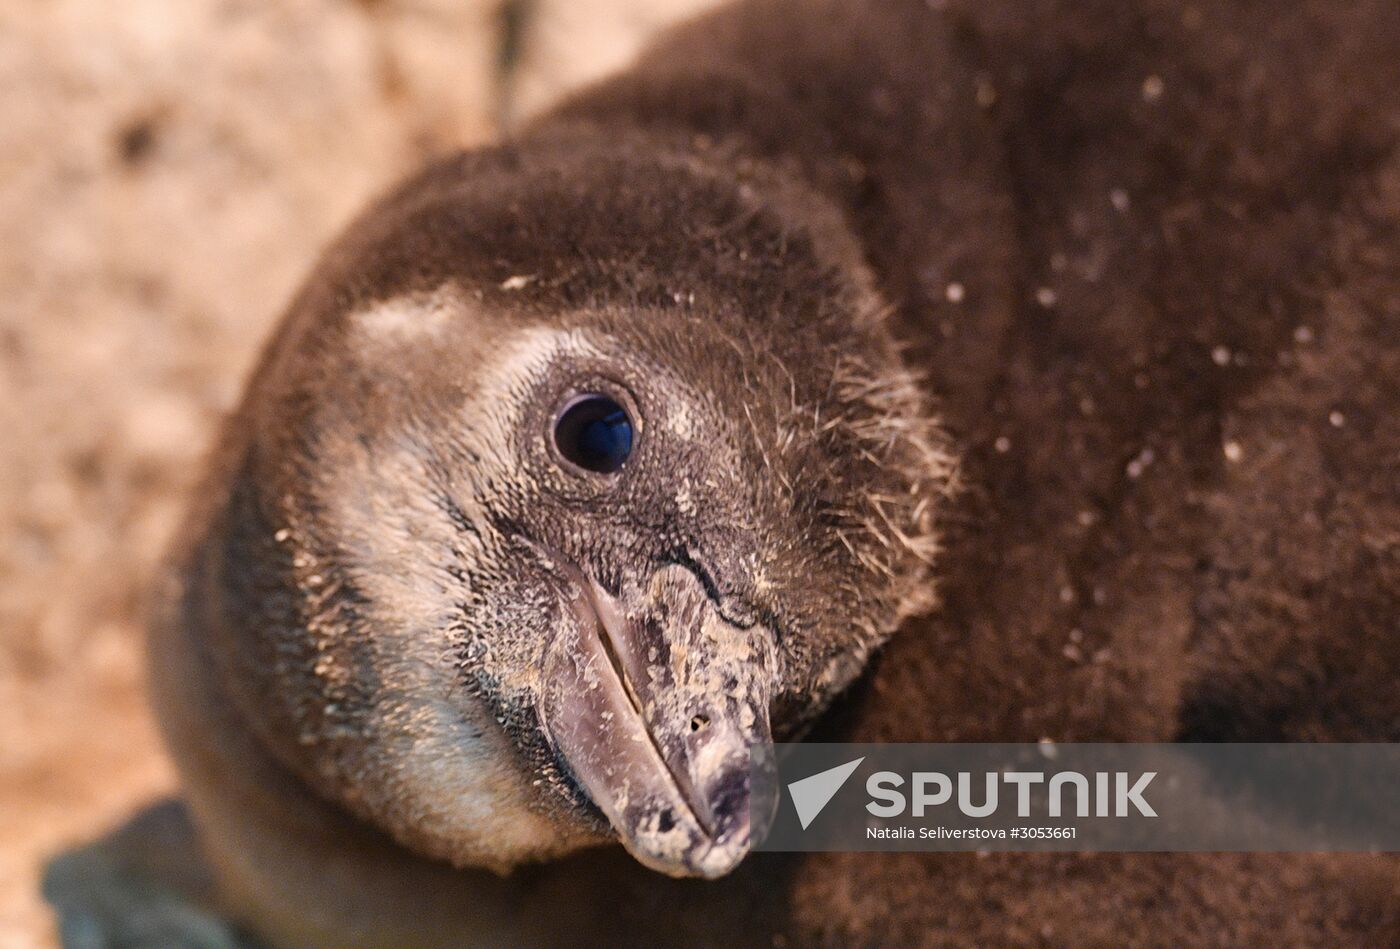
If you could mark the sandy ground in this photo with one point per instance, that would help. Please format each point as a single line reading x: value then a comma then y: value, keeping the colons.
x: 168, y: 170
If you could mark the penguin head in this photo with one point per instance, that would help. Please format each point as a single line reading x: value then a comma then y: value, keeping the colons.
x: 560, y: 558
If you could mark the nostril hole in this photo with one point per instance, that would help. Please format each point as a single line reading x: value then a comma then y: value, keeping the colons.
x: 666, y: 821
x: 698, y: 722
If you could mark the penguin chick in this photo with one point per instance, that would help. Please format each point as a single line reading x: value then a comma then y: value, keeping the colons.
x: 582, y: 460
x: 564, y: 482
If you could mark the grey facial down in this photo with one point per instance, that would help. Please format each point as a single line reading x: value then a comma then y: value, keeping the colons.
x: 556, y: 582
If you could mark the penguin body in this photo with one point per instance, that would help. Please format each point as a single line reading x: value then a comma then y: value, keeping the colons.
x: 1060, y: 338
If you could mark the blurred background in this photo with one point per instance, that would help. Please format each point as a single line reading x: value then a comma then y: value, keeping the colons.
x: 169, y: 170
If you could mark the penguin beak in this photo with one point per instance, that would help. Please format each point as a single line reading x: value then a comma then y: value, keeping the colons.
x: 654, y: 704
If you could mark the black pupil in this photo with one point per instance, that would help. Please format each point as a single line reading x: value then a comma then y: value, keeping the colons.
x: 594, y: 433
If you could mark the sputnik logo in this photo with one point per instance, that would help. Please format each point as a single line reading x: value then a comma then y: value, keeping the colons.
x: 813, y: 793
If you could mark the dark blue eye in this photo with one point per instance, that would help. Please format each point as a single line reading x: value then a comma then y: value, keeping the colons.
x: 594, y: 433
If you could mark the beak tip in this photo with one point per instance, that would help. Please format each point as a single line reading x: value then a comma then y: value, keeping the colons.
x: 706, y: 859
x: 680, y: 846
x: 727, y: 816
x: 720, y: 861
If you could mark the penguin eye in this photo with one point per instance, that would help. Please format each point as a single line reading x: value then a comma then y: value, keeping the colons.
x: 594, y: 432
